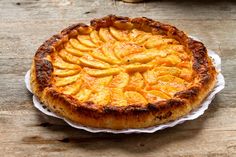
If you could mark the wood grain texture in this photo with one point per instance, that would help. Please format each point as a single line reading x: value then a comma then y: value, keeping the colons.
x: 24, y: 131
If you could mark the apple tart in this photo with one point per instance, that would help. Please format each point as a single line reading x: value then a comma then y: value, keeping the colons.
x: 121, y: 72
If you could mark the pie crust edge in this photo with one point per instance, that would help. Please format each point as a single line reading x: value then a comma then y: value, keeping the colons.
x: 123, y: 117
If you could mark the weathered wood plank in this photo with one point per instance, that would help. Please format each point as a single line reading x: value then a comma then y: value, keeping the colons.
x: 56, y: 9
x: 164, y: 143
x: 24, y: 131
x: 27, y: 116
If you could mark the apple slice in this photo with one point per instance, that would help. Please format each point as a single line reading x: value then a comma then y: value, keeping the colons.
x: 155, y: 95
x: 141, y: 38
x: 102, y: 73
x: 136, y: 82
x: 169, y: 84
x: 172, y: 60
x: 95, y: 38
x: 137, y: 67
x: 120, y: 35
x: 66, y: 80
x: 109, y: 52
x: 174, y: 48
x: 175, y: 81
x: 157, y: 52
x: 83, y: 94
x: 140, y: 57
x: 118, y: 98
x: 167, y: 87
x: 166, y: 78
x: 85, y: 40
x: 69, y: 48
x: 93, y: 63
x: 122, y: 49
x: 134, y: 33
x: 163, y: 70
x: 102, y: 97
x: 133, y: 97
x: 68, y: 57
x: 120, y: 81
x: 105, y: 35
x: 76, y: 44
x: 158, y: 41
x: 64, y: 72
x: 101, y: 82
x: 186, y: 74
x: 150, y: 77
x: 58, y: 62
x: 73, y: 88
x: 99, y: 55
x: 184, y: 64
x: 154, y: 41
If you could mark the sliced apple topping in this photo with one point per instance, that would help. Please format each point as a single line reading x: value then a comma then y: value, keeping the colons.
x: 63, y: 81
x: 105, y: 35
x: 141, y: 38
x: 88, y: 80
x: 150, y: 77
x: 134, y: 33
x: 120, y: 35
x: 84, y: 94
x: 109, y: 52
x: 137, y: 67
x: 73, y: 88
x: 98, y: 54
x: 174, y: 48
x: 136, y: 82
x: 154, y: 41
x: 58, y: 62
x: 101, y: 73
x: 133, y: 97
x: 162, y: 70
x: 171, y: 78
x: 167, y: 88
x: 117, y: 97
x: 186, y: 74
x: 85, y: 40
x: 93, y: 63
x: 140, y: 57
x: 119, y: 67
x: 95, y: 38
x: 155, y: 95
x: 157, y: 52
x: 101, y: 97
x: 120, y: 81
x: 122, y: 49
x: 157, y: 41
x: 101, y: 82
x: 69, y: 48
x: 168, y: 84
x: 69, y: 57
x: 184, y: 64
x: 65, y: 72
x: 171, y: 60
x: 76, y: 44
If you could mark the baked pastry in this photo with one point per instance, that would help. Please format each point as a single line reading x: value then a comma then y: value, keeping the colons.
x: 122, y: 73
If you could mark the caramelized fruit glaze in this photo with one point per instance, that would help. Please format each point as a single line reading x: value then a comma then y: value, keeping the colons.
x: 116, y: 67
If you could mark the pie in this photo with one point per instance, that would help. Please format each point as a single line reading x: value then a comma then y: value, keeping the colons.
x: 122, y: 72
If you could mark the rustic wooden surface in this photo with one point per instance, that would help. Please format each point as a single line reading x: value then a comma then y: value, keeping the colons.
x: 24, y: 131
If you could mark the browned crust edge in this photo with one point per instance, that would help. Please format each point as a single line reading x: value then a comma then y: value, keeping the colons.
x: 132, y: 116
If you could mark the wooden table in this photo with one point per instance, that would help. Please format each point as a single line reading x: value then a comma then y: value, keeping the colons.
x: 24, y: 131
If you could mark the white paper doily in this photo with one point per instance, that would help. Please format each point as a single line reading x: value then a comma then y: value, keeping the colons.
x: 220, y: 84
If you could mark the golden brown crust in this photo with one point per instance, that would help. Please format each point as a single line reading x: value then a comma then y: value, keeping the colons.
x: 131, y: 116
